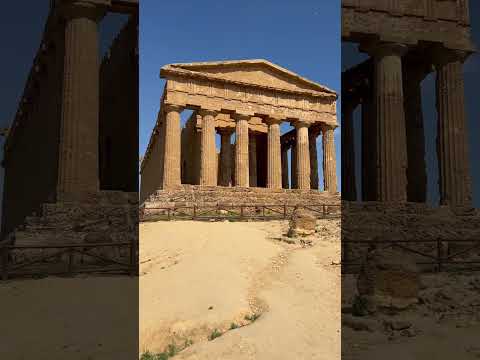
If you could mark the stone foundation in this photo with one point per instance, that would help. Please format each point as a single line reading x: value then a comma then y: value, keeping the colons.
x: 114, y: 214
x: 190, y: 195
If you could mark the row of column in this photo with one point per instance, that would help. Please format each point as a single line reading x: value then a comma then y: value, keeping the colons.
x: 304, y: 157
x: 396, y: 111
x: 328, y: 162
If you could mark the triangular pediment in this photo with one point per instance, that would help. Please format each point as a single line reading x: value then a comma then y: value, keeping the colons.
x: 256, y: 72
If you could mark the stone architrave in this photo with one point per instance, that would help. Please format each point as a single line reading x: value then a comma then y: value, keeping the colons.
x: 208, y: 150
x: 454, y: 179
x: 274, y: 155
x: 225, y: 175
x: 171, y: 163
x: 303, y: 156
x: 241, y: 151
x: 329, y: 163
x: 78, y: 175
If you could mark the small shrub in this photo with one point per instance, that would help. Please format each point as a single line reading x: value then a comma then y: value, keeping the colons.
x: 187, y: 343
x: 215, y: 334
x: 252, y: 317
x: 233, y: 326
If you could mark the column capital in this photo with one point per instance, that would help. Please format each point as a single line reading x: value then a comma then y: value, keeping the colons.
x: 300, y: 124
x: 173, y: 107
x: 378, y: 48
x: 269, y: 120
x: 206, y: 112
x: 72, y: 9
x: 327, y: 127
x: 239, y: 117
x: 442, y: 56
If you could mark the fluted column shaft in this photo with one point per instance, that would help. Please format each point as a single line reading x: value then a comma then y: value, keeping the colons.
x: 303, y: 156
x: 241, y: 151
x: 391, y: 134
x: 172, y: 145
x: 349, y: 191
x: 208, y: 151
x: 225, y: 176
x: 252, y: 159
x: 285, y: 167
x: 78, y: 174
x: 454, y: 180
x: 329, y: 161
x: 274, y: 160
x: 312, y: 142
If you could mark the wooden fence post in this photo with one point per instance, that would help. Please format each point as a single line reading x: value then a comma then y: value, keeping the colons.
x: 284, y: 211
x: 194, y: 211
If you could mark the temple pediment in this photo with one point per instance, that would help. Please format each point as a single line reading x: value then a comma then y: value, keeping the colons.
x: 254, y: 72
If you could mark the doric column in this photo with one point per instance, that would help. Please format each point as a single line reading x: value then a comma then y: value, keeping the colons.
x: 303, y: 155
x: 391, y: 134
x: 252, y: 159
x: 241, y: 151
x: 208, y: 151
x: 285, y: 167
x: 225, y: 175
x: 329, y: 160
x: 274, y: 160
x: 171, y: 157
x: 454, y: 180
x: 414, y: 73
x: 312, y: 142
x: 293, y: 170
x: 78, y: 174
x: 349, y: 191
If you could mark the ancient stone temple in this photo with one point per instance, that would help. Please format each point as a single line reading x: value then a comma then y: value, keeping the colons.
x: 71, y: 152
x: 244, y: 102
x: 405, y: 41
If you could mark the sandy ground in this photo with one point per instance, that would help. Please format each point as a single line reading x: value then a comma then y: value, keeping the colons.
x: 69, y: 318
x: 200, y: 276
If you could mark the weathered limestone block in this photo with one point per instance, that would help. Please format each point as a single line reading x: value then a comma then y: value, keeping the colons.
x: 303, y: 223
x: 388, y: 279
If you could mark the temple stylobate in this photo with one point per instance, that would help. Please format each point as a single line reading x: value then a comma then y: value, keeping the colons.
x: 245, y: 102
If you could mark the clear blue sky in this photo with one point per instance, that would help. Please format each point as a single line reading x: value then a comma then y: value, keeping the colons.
x: 302, y: 36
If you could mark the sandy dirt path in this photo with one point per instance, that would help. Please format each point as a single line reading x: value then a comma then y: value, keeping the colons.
x: 239, y: 269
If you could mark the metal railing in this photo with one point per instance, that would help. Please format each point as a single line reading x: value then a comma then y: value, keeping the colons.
x: 68, y: 259
x: 237, y: 212
x: 439, y: 257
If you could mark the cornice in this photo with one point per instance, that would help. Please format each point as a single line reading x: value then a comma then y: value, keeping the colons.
x: 169, y: 70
